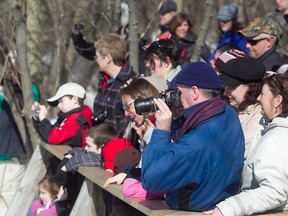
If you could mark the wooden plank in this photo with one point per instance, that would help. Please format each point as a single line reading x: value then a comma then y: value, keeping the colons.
x: 28, y: 187
x: 89, y: 201
x: 157, y: 207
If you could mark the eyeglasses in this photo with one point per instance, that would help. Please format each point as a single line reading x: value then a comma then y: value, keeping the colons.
x: 278, y: 84
x: 254, y: 42
x: 127, y: 105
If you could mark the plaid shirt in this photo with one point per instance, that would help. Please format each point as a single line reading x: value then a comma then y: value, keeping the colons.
x: 109, y: 99
x: 80, y: 157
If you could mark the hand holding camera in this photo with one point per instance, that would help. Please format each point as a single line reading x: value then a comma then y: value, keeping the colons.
x: 39, y: 112
x: 163, y: 115
x: 77, y: 28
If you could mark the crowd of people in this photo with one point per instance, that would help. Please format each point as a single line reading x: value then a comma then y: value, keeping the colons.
x: 205, y: 136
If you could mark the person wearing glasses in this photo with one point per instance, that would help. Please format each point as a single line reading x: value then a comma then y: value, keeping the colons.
x: 200, y: 164
x: 261, y: 35
x: 265, y: 175
x: 228, y: 25
x: 138, y: 88
x: 242, y: 78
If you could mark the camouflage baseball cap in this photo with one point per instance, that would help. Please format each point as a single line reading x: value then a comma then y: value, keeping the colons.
x: 258, y: 26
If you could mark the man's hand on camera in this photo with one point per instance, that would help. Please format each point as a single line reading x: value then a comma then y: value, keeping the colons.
x: 163, y: 115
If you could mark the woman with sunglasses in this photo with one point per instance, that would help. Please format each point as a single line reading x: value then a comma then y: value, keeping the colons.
x: 228, y: 29
x: 265, y: 173
x: 242, y: 78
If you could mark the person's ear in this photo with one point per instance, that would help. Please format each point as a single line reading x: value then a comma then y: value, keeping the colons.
x: 270, y: 41
x: 108, y: 58
x: 278, y: 101
x: 194, y: 92
x: 75, y: 99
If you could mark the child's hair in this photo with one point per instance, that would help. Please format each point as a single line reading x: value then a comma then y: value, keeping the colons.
x: 80, y: 100
x: 48, y: 185
x: 102, y: 134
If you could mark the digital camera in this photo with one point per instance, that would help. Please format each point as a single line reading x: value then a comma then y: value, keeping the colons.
x: 99, y: 116
x: 79, y: 26
x: 36, y: 113
x: 171, y: 97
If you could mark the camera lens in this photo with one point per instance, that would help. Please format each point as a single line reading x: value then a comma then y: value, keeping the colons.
x: 145, y: 106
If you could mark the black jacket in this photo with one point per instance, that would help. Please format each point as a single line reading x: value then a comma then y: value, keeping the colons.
x: 189, y: 43
x: 271, y: 59
x: 84, y: 48
x: 11, y: 142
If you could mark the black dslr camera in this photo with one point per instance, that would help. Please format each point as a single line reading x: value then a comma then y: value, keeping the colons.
x: 99, y: 116
x: 171, y: 97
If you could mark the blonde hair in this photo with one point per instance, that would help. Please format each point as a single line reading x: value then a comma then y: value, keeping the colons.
x: 114, y: 45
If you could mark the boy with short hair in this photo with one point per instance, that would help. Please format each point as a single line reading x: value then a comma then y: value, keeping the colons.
x: 97, y: 137
x: 74, y: 118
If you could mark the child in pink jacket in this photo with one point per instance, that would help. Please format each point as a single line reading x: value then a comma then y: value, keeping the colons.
x: 51, y: 197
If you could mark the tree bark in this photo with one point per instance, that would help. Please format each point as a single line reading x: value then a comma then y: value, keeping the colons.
x: 34, y: 40
x: 208, y: 14
x: 133, y: 36
x: 28, y: 131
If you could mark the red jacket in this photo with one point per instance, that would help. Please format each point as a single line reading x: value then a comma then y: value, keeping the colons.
x: 70, y: 128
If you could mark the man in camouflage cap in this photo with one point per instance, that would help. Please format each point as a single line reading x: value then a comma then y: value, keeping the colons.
x: 262, y: 36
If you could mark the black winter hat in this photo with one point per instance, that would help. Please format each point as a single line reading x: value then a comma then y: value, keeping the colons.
x: 168, y: 6
x: 242, y: 71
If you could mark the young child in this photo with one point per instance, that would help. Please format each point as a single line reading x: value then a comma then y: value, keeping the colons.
x: 99, y: 137
x: 96, y: 138
x: 74, y: 118
x: 52, y: 200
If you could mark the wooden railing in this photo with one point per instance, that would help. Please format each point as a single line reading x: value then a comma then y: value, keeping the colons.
x: 89, y: 200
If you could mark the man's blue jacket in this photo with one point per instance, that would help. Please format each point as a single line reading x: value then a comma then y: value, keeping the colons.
x: 199, y: 170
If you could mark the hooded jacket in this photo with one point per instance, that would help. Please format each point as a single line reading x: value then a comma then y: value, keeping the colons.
x: 70, y: 128
x: 265, y: 174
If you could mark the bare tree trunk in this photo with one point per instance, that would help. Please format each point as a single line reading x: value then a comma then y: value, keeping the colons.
x: 179, y: 5
x: 208, y: 14
x: 59, y: 17
x: 116, y: 16
x: 109, y: 14
x: 34, y: 39
x: 20, y: 35
x: 133, y: 35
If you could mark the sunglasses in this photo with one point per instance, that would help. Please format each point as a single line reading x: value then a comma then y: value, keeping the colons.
x: 254, y: 42
x: 278, y: 84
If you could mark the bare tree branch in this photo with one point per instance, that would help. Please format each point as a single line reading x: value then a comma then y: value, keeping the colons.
x: 208, y: 13
x: 133, y: 35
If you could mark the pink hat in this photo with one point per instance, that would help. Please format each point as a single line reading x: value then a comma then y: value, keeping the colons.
x: 227, y: 56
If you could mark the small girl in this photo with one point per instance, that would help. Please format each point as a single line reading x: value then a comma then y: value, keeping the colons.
x: 51, y: 197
